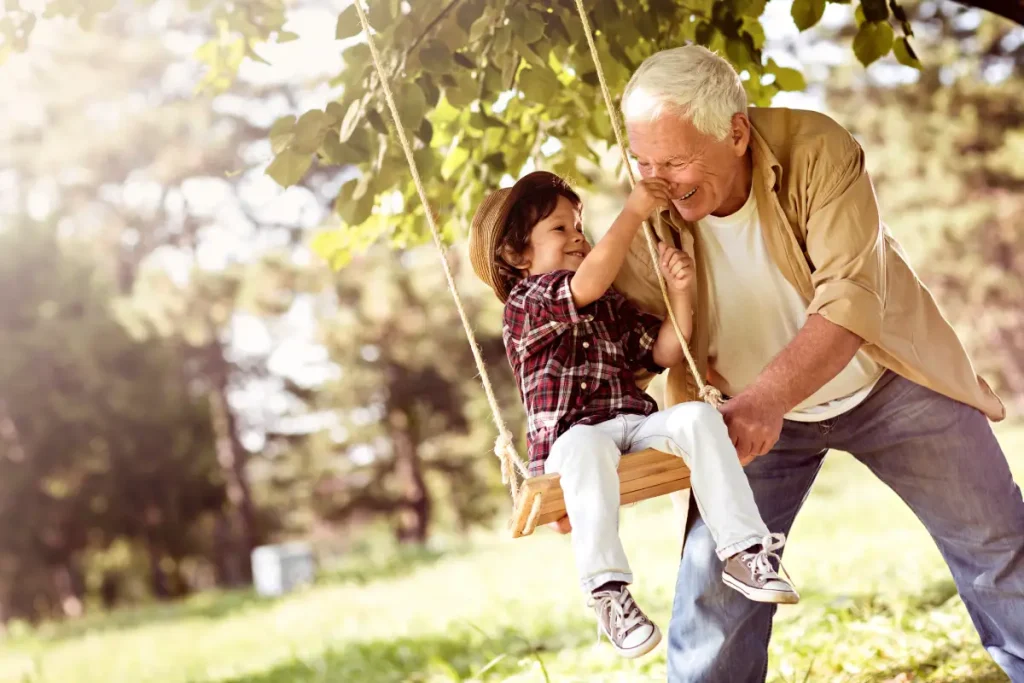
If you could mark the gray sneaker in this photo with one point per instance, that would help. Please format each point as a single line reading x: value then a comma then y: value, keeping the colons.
x: 753, y: 574
x: 631, y: 633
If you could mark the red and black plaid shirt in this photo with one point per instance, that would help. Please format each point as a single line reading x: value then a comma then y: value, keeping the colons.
x: 575, y: 366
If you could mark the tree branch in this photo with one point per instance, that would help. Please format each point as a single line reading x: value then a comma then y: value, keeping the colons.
x: 1013, y: 10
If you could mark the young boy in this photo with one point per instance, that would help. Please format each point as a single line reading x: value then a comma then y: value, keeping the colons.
x: 574, y: 344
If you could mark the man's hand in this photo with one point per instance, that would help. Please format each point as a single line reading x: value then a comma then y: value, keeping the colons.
x: 562, y: 525
x: 754, y: 423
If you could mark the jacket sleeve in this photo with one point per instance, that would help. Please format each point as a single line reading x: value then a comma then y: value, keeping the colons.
x: 845, y: 243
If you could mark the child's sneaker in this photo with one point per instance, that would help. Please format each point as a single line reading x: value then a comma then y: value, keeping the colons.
x: 751, y: 572
x: 631, y: 633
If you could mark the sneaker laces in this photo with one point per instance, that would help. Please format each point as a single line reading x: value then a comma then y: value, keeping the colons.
x: 761, y: 561
x: 624, y: 614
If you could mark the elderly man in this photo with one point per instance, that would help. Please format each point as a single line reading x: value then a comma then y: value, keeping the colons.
x: 814, y: 326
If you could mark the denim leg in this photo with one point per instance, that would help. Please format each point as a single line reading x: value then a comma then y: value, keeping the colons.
x: 716, y: 635
x: 942, y: 459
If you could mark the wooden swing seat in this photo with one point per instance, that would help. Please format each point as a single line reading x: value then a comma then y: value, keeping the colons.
x: 642, y: 475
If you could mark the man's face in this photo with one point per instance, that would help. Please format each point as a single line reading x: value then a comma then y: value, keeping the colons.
x: 705, y: 174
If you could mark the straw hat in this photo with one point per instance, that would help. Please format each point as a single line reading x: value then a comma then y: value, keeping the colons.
x: 489, y: 226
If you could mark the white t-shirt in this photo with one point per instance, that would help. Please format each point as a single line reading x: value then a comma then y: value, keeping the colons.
x: 755, y: 312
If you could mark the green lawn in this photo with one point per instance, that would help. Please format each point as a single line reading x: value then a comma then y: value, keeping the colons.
x: 878, y: 602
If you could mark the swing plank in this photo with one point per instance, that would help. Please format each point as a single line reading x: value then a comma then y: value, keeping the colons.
x: 642, y: 475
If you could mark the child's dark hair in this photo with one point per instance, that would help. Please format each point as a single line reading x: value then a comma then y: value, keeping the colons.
x: 537, y: 201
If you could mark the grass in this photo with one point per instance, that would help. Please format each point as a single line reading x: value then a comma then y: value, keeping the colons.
x: 878, y: 605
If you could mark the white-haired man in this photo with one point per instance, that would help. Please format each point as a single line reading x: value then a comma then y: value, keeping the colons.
x: 813, y: 325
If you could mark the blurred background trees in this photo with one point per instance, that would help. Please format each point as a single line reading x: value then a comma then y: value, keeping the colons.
x: 183, y: 377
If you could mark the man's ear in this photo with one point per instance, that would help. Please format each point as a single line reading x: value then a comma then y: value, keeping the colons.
x: 739, y: 134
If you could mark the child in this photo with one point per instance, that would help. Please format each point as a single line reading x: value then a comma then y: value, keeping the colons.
x: 574, y: 344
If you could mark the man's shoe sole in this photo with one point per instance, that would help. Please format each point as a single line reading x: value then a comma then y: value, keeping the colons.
x: 760, y: 594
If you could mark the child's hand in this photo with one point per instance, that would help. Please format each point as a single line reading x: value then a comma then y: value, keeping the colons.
x: 677, y: 267
x: 648, y: 195
x: 562, y: 525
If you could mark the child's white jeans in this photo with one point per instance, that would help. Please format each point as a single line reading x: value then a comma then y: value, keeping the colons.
x: 587, y: 458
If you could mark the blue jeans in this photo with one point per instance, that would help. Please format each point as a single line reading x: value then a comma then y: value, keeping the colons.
x: 939, y: 456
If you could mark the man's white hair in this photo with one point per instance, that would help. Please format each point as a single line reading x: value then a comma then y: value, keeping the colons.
x: 689, y: 81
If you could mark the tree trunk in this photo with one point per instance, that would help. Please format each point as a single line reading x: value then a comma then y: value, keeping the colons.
x: 64, y: 585
x: 232, y: 457
x: 157, y: 577
x: 225, y: 557
x: 414, y: 513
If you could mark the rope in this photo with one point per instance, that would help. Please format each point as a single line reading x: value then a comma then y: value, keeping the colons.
x: 503, y: 447
x: 707, y: 392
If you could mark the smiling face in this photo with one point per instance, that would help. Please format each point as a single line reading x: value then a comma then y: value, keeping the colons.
x: 707, y: 175
x: 556, y: 241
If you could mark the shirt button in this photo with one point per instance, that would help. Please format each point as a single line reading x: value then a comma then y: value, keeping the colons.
x: 586, y: 345
x: 583, y: 385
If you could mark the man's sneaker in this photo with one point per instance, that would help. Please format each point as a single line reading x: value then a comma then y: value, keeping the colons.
x: 752, y: 573
x: 631, y: 633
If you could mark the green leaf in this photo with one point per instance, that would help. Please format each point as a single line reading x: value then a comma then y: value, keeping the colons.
x: 350, y: 121
x: 529, y: 26
x: 355, y: 151
x: 873, y: 40
x: 286, y: 36
x: 753, y: 28
x: 425, y: 132
x: 436, y: 57
x: 789, y: 79
x: 463, y: 92
x: 751, y: 8
x: 738, y: 52
x: 309, y: 131
x: 348, y: 24
x: 490, y: 665
x: 351, y: 209
x: 412, y: 105
x: 380, y: 13
x: 356, y: 56
x: 496, y: 161
x: 481, y: 27
x: 858, y: 15
x: 281, y: 133
x: 468, y: 14
x: 463, y: 61
x: 453, y: 161
x: 538, y: 84
x: 335, y: 112
x: 905, y: 53
x: 528, y: 53
x: 375, y: 119
x: 426, y: 160
x: 288, y: 167
x: 875, y: 10
x: 333, y: 150
x: 430, y: 89
x: 705, y: 33
x: 807, y: 13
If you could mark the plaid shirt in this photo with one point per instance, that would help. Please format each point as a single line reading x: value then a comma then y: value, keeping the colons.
x: 575, y: 366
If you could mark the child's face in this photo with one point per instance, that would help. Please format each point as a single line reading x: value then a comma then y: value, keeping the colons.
x: 556, y: 242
